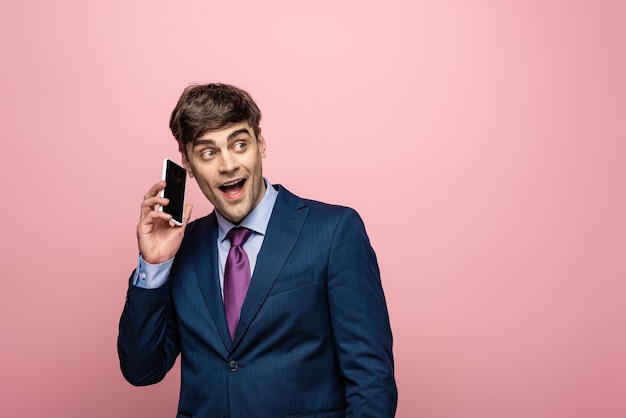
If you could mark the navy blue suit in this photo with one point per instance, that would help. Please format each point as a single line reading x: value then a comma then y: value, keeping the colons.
x: 314, y: 338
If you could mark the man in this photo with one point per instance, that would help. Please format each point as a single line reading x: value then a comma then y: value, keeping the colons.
x: 307, y: 335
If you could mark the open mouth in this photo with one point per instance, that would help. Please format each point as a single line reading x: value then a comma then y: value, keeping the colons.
x: 233, y: 187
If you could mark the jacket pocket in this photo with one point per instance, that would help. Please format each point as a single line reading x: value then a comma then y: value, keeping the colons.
x: 285, y: 284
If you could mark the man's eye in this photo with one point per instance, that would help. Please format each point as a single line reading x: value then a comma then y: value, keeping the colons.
x: 208, y: 154
x: 240, y: 146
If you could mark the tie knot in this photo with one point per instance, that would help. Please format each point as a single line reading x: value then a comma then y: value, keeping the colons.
x: 238, y: 236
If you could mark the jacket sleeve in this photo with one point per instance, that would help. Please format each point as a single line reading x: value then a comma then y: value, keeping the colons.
x: 147, y: 342
x: 360, y: 322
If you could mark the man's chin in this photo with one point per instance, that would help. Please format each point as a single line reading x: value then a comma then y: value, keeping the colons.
x: 232, y: 214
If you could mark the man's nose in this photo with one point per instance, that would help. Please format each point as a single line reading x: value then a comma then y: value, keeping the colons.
x: 228, y: 163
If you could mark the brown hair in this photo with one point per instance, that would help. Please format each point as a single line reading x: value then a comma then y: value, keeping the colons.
x: 208, y: 107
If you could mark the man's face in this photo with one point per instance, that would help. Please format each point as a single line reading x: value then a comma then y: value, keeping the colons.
x: 227, y: 166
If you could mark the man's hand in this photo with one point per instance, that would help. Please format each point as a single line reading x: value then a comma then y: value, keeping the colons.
x: 158, y: 238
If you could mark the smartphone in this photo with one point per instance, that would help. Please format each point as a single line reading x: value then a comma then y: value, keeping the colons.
x: 175, y: 177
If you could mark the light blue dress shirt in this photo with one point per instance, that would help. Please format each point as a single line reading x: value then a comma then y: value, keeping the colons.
x: 152, y: 276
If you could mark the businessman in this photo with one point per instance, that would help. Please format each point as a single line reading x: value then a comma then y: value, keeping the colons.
x: 274, y: 302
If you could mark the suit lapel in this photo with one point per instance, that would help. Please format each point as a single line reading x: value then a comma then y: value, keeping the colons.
x: 207, y: 273
x: 283, y: 230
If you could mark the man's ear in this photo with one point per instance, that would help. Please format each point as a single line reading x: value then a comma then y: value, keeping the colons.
x: 261, y: 143
x: 185, y: 162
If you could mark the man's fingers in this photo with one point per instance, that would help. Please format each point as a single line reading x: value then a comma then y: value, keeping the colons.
x: 151, y: 203
x: 153, y: 198
x: 155, y: 189
x: 152, y: 217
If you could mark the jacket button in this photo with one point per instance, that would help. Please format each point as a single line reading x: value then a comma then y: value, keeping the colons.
x: 233, y: 366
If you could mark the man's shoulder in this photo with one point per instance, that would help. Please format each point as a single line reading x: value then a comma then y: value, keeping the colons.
x: 286, y: 195
x: 201, y: 225
x: 315, y: 207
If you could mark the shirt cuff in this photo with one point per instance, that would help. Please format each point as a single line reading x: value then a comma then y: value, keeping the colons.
x: 152, y: 276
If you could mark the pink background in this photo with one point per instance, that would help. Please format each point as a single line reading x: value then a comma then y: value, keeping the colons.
x: 481, y: 141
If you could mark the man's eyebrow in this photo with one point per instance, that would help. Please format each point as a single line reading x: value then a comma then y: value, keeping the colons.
x: 231, y: 136
x: 237, y: 133
x: 197, y: 142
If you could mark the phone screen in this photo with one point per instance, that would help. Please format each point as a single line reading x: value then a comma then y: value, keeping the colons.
x: 174, y: 176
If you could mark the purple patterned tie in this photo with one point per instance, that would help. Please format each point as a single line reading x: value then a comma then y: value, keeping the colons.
x: 236, y: 277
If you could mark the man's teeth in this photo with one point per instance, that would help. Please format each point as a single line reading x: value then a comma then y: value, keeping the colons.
x: 233, y: 186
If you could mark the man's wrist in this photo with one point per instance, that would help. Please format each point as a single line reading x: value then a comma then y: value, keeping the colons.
x: 152, y: 276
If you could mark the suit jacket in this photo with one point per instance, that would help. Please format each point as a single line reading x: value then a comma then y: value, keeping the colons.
x: 313, y: 340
